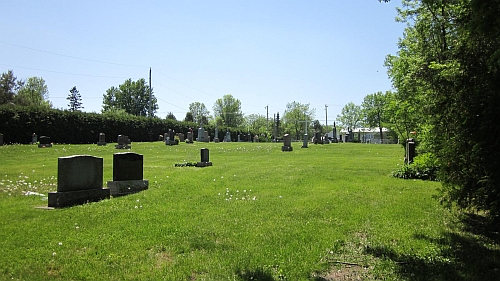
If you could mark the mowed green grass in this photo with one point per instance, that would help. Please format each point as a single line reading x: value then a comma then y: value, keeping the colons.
x: 328, y: 212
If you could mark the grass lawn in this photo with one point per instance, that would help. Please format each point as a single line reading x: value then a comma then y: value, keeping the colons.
x: 329, y: 212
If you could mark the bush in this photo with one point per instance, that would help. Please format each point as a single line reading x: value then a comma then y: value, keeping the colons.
x: 424, y: 167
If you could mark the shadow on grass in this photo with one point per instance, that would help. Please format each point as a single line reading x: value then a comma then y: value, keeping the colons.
x: 254, y: 275
x: 471, y: 253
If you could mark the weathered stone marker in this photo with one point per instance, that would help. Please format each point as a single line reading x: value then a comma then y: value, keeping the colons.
x: 123, y: 142
x: 44, y: 142
x: 79, y: 180
x: 410, y: 151
x: 189, y: 137
x: 102, y: 139
x: 287, y: 143
x: 34, y: 138
x: 127, y: 174
x: 205, y: 158
x: 304, y: 144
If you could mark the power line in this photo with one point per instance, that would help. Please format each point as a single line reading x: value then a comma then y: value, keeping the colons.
x: 66, y: 73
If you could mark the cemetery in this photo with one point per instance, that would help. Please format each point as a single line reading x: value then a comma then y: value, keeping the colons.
x: 257, y: 207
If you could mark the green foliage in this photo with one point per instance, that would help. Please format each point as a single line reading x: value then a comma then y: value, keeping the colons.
x: 199, y: 112
x: 33, y: 92
x: 9, y: 85
x: 75, y: 100
x: 447, y: 76
x: 228, y: 109
x: 295, y: 117
x: 18, y: 123
x: 424, y: 167
x: 351, y: 116
x: 131, y: 96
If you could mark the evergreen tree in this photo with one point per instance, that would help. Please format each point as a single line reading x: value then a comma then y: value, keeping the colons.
x: 75, y: 100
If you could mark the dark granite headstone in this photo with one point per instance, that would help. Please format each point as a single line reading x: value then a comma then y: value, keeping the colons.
x: 44, y: 142
x: 102, y: 139
x: 127, y: 166
x: 205, y: 158
x: 1, y: 139
x: 287, y: 143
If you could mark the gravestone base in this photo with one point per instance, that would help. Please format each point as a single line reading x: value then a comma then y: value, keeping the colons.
x: 189, y: 141
x: 216, y: 140
x: 120, y: 188
x: 123, y: 146
x: 72, y: 198
x: 335, y: 140
x: 101, y: 143
x: 171, y: 142
x: 44, y: 145
x: 203, y: 164
x: 326, y: 141
x: 286, y: 148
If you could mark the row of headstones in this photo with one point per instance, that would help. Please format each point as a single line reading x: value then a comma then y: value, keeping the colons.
x: 79, y: 179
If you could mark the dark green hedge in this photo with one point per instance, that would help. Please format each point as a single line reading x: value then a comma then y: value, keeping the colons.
x: 17, y: 124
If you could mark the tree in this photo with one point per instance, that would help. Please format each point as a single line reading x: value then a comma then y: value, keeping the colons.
x: 256, y: 123
x: 296, y: 117
x: 189, y: 117
x: 374, y: 111
x: 9, y: 85
x: 131, y: 96
x: 33, y: 92
x: 229, y: 110
x: 199, y: 112
x: 350, y: 116
x: 171, y: 116
x: 75, y: 100
x: 447, y: 70
x: 316, y: 125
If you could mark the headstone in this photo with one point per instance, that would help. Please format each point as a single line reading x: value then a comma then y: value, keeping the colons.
x: 123, y: 142
x: 205, y: 158
x: 334, y: 138
x: 304, y: 144
x: 1, y: 139
x: 325, y: 139
x: 170, y: 140
x: 181, y: 137
x: 206, y: 138
x: 216, y: 138
x: 44, y: 142
x: 287, y: 143
x: 227, y: 138
x: 201, y: 134
x: 239, y: 138
x: 127, y: 174
x: 34, y: 138
x: 256, y: 138
x: 189, y: 137
x: 161, y: 137
x: 410, y: 151
x: 317, y: 137
x: 79, y: 180
x: 102, y: 139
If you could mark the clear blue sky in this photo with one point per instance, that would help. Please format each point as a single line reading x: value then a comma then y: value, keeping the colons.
x: 262, y: 52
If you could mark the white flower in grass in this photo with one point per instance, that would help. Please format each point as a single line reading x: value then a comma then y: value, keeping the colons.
x: 136, y: 207
x: 214, y: 179
x: 54, y: 254
x: 222, y: 177
x: 254, y: 198
x: 60, y: 243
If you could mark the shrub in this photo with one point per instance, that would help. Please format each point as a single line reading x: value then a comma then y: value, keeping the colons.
x: 424, y: 167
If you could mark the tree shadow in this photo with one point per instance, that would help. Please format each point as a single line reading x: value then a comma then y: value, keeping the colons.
x: 470, y: 253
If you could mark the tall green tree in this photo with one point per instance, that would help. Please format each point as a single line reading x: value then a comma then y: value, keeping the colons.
x: 228, y: 109
x: 131, y: 96
x: 374, y: 110
x: 296, y: 117
x: 75, y: 100
x: 256, y: 123
x: 34, y: 92
x: 351, y: 116
x: 189, y: 117
x: 200, y: 113
x: 9, y: 86
x: 448, y: 68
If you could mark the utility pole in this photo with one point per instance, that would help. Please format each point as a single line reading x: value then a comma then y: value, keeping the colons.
x: 267, y: 118
x: 326, y: 118
x: 150, y: 94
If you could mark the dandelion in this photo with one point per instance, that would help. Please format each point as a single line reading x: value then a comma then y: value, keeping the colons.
x: 254, y: 198
x: 136, y: 207
x: 245, y: 191
x: 219, y: 193
x: 77, y: 227
x: 54, y: 254
x: 60, y: 243
x: 237, y: 191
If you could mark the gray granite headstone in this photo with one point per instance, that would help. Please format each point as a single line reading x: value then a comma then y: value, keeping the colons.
x: 305, y: 143
x: 189, y: 138
x: 34, y: 138
x: 102, y: 139
x: 287, y: 143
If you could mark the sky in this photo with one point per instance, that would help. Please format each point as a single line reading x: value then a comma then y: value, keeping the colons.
x: 264, y: 53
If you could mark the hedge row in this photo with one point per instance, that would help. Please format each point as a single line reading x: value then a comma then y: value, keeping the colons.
x: 17, y: 124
